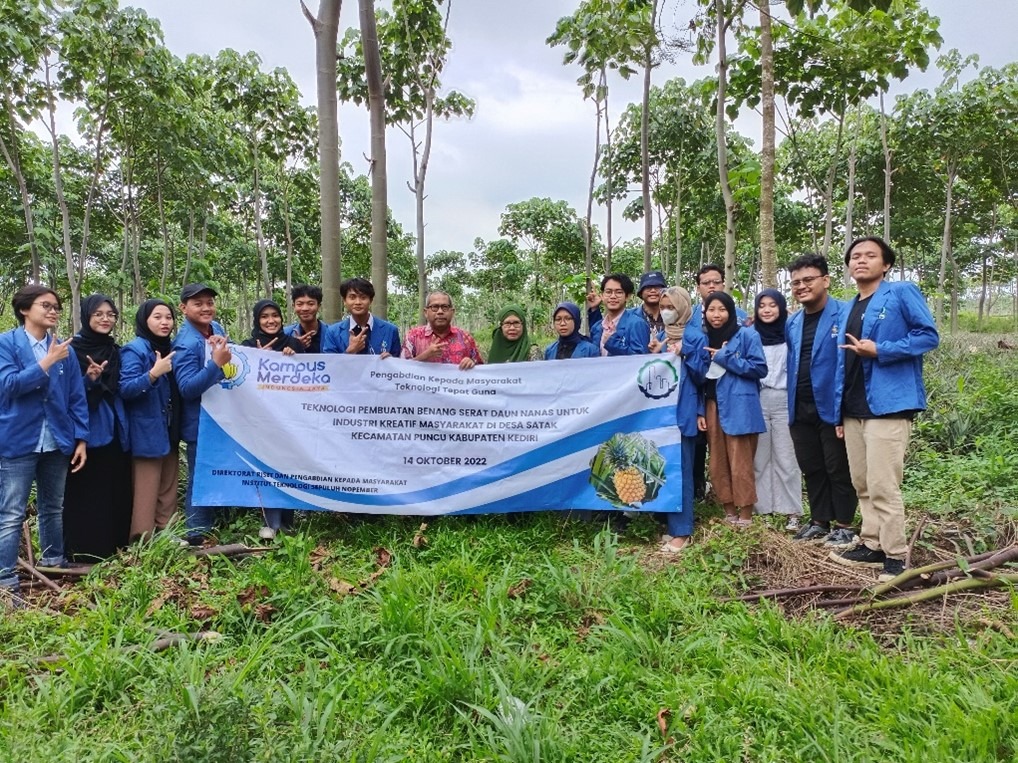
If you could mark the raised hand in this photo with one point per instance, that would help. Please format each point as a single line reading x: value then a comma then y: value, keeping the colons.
x: 435, y: 350
x: 221, y: 354
x: 357, y: 342
x: 305, y: 339
x: 267, y: 345
x: 95, y: 370
x: 593, y: 300
x: 162, y: 365
x: 864, y: 348
x: 56, y: 352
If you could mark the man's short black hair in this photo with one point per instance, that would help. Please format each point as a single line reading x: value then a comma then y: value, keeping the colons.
x: 885, y: 249
x: 809, y: 260
x: 359, y: 285
x: 25, y: 297
x: 306, y: 290
x: 624, y: 281
x: 710, y: 266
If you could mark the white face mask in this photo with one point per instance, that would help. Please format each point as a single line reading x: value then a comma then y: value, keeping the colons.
x: 670, y: 316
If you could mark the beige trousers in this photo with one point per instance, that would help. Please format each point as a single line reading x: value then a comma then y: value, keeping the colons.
x: 155, y: 492
x: 876, y: 459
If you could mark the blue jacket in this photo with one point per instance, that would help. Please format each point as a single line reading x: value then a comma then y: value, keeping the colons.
x: 101, y: 421
x: 691, y: 370
x: 823, y: 363
x: 194, y: 373
x: 631, y: 337
x: 384, y: 338
x: 900, y: 323
x: 147, y: 404
x: 583, y: 349
x: 738, y: 390
x: 28, y: 395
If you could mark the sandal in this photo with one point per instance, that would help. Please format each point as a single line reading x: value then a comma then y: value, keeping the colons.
x: 668, y: 548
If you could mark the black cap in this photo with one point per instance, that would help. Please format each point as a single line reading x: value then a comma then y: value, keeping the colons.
x: 653, y: 278
x: 194, y: 289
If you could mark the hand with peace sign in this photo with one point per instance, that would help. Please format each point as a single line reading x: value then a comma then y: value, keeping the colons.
x: 56, y: 352
x: 95, y: 370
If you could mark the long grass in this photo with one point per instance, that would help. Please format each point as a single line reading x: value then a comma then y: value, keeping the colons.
x: 534, y: 639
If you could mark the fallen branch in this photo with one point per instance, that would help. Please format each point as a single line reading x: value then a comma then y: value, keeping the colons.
x: 67, y: 572
x: 230, y: 549
x: 968, y: 584
x: 26, y: 534
x: 778, y: 593
x: 31, y: 570
x: 911, y: 544
x: 159, y: 645
x: 914, y: 576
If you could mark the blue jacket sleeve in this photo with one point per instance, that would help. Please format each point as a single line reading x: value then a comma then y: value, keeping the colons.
x: 630, y: 338
x: 193, y: 378
x: 922, y: 336
x: 743, y: 355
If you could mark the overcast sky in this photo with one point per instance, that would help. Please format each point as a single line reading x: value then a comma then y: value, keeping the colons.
x: 532, y: 134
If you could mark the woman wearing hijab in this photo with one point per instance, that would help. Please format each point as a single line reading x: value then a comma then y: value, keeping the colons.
x: 509, y: 340
x: 676, y: 307
x: 267, y: 331
x: 570, y: 343
x: 97, y: 498
x: 153, y: 410
x: 267, y: 334
x: 732, y: 415
x: 778, y: 479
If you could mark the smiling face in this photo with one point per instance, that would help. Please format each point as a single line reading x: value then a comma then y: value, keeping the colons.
x: 716, y: 314
x: 768, y: 311
x: 306, y: 310
x: 200, y: 310
x: 809, y: 287
x: 614, y: 296
x: 358, y: 305
x: 564, y: 323
x: 160, y: 321
x: 439, y: 312
x: 512, y: 327
x: 651, y: 296
x: 103, y: 319
x: 43, y: 314
x: 270, y: 321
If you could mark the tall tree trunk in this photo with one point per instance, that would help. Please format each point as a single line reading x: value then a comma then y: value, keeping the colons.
x: 832, y: 173
x: 768, y: 245
x: 850, y: 194
x: 888, y: 171
x: 648, y: 216
x: 422, y: 159
x: 719, y: 132
x: 609, y: 243
x: 12, y: 155
x: 982, y: 290
x: 588, y: 244
x: 945, y: 242
x: 162, y: 226
x: 263, y: 255
x: 326, y: 31
x: 677, y: 216
x: 379, y: 172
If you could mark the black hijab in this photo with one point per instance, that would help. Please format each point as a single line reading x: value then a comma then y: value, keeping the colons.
x: 771, y: 333
x: 88, y: 343
x: 162, y: 344
x: 718, y: 336
x: 567, y: 344
x: 259, y: 338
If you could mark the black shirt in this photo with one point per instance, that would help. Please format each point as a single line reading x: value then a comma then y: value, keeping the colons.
x: 805, y: 402
x: 854, y: 403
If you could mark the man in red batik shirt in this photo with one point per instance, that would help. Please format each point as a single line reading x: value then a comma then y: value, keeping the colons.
x: 439, y: 341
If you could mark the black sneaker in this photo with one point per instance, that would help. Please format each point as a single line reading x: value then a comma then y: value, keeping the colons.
x: 860, y: 556
x: 892, y: 568
x: 812, y: 532
x: 842, y: 537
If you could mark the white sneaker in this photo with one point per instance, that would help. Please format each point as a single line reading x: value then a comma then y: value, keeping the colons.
x: 792, y: 525
x: 267, y: 533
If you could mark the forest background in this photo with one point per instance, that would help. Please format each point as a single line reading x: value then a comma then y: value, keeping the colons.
x: 132, y: 168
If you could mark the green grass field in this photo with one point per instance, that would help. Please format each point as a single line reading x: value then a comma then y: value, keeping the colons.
x: 500, y: 639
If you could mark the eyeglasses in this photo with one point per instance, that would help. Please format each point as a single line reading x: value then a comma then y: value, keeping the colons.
x: 512, y: 324
x: 613, y: 292
x: 714, y: 282
x: 562, y: 319
x: 440, y: 308
x: 806, y: 281
x: 49, y: 307
x: 105, y: 316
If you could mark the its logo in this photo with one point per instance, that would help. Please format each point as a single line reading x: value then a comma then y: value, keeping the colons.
x: 657, y: 379
x: 236, y: 370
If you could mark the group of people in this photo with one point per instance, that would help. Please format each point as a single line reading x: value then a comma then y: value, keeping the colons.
x: 827, y: 393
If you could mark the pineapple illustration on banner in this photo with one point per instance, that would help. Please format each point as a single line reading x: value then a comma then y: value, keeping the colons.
x: 627, y: 470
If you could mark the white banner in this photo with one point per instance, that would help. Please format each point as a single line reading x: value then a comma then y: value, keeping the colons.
x: 361, y: 434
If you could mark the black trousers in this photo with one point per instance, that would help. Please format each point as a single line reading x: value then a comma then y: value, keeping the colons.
x: 824, y: 463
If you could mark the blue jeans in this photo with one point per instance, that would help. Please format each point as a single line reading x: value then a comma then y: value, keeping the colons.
x: 681, y: 524
x: 197, y: 519
x: 49, y: 472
